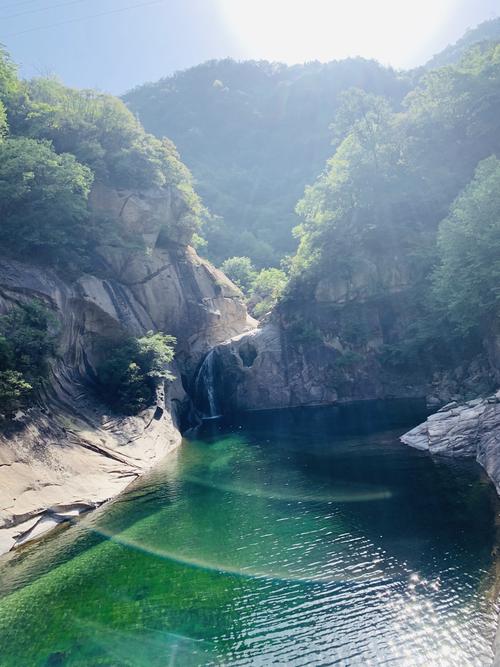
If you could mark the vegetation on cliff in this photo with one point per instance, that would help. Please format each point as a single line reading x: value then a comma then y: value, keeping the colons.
x: 27, y: 341
x: 54, y: 143
x: 467, y: 278
x: 262, y: 289
x: 384, y: 201
x: 131, y: 370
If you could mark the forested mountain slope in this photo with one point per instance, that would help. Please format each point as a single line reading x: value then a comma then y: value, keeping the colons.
x: 394, y: 290
x: 254, y: 134
x: 488, y: 31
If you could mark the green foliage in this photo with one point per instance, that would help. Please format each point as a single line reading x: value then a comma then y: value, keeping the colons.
x: 241, y: 271
x: 393, y: 177
x: 267, y: 288
x: 3, y: 121
x: 9, y: 83
x: 13, y: 391
x: 27, y: 341
x: 376, y: 209
x: 362, y: 114
x: 368, y: 200
x: 43, y: 200
x: 130, y: 372
x: 488, y: 31
x: 100, y: 132
x: 262, y: 288
x: 254, y: 134
x: 467, y: 280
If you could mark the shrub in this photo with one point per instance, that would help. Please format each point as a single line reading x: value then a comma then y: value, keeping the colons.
x: 27, y: 341
x: 128, y: 376
x: 241, y: 271
x: 267, y: 288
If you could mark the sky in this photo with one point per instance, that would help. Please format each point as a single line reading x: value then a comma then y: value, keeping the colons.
x: 114, y: 45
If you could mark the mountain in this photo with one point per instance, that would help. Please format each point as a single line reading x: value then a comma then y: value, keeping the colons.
x: 488, y: 31
x: 254, y: 134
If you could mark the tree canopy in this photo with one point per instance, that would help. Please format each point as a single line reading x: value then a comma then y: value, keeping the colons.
x: 43, y: 199
x: 403, y: 194
x: 55, y: 142
x: 467, y: 280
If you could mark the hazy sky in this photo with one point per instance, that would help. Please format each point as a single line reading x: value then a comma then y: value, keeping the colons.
x: 116, y: 44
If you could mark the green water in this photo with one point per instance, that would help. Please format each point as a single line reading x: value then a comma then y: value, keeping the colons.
x: 288, y: 542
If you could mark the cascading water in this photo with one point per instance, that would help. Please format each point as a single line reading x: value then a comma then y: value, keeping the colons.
x: 205, y: 386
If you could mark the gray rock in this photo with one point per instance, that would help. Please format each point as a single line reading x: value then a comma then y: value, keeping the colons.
x: 471, y: 429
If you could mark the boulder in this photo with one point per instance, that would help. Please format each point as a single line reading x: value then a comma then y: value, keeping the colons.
x: 471, y: 429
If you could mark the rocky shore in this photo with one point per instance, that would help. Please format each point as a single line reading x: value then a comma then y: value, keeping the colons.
x: 471, y: 429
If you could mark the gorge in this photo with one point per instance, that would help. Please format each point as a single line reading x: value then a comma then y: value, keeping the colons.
x: 313, y: 487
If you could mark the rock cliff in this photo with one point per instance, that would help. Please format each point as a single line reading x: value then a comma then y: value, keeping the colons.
x: 67, y: 454
x: 335, y: 345
x: 471, y: 429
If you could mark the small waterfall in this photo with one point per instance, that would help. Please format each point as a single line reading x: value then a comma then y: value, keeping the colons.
x: 205, y: 385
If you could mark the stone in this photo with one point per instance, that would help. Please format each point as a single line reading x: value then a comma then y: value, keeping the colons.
x: 471, y: 429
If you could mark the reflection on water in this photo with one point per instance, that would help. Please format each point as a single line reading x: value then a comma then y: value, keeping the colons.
x: 296, y: 540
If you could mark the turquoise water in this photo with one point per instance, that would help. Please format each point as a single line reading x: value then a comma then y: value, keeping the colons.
x: 294, y: 540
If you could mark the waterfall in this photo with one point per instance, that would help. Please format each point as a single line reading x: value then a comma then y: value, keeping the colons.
x: 205, y: 385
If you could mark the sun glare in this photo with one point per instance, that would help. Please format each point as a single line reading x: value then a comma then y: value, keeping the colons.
x: 392, y: 31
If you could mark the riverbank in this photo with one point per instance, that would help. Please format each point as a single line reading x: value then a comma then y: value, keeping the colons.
x: 58, y: 467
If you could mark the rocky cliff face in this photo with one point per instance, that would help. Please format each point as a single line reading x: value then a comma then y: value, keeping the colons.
x: 335, y: 347
x: 68, y: 454
x: 471, y: 430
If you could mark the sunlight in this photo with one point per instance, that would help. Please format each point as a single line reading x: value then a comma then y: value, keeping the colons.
x: 391, y: 31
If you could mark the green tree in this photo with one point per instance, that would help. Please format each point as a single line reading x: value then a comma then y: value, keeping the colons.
x: 267, y: 288
x: 363, y: 114
x: 43, y: 200
x: 27, y: 341
x: 9, y: 83
x: 467, y: 280
x: 241, y: 271
x: 13, y: 391
x: 103, y: 134
x: 130, y: 372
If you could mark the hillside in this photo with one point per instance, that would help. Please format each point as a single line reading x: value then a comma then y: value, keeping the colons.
x: 394, y: 289
x: 254, y: 134
x: 488, y: 31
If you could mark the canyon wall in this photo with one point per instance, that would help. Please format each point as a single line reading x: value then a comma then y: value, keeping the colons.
x: 337, y: 344
x: 68, y: 452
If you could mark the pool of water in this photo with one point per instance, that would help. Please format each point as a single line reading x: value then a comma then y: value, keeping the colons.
x: 286, y: 541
